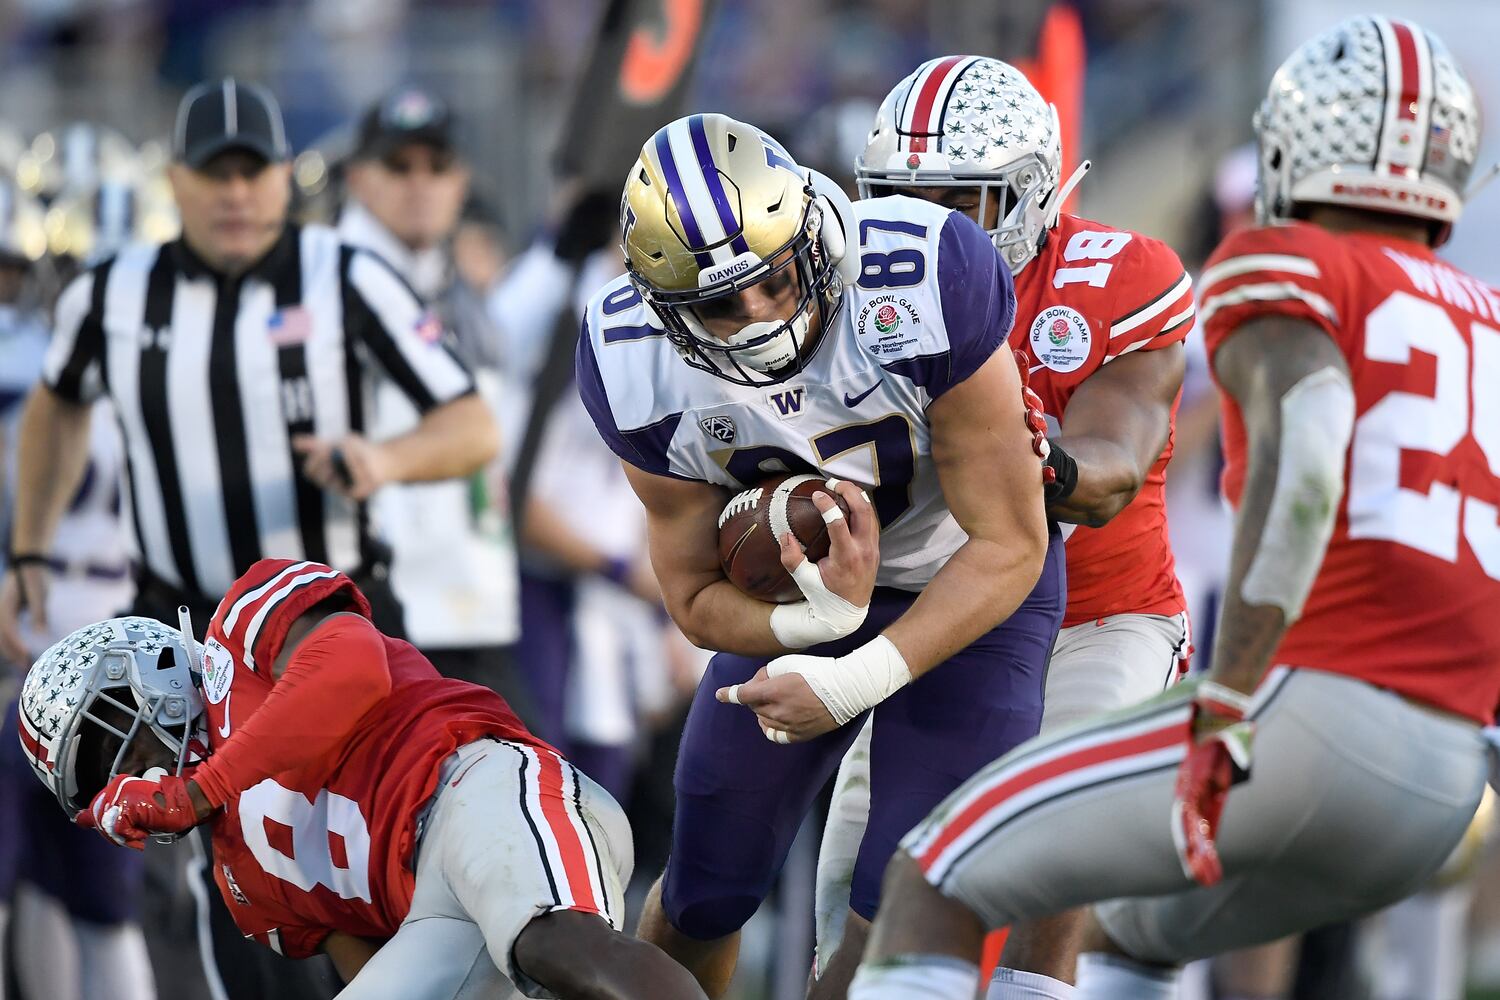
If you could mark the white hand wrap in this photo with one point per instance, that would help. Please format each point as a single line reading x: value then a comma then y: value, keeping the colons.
x: 848, y: 685
x: 823, y: 617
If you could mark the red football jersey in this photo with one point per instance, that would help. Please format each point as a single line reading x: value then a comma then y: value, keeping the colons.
x: 1409, y: 589
x: 327, y: 846
x: 1093, y: 294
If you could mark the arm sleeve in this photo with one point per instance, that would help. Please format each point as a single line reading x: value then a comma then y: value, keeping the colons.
x: 1154, y: 307
x: 407, y: 340
x: 978, y: 300
x: 74, y: 361
x: 335, y: 676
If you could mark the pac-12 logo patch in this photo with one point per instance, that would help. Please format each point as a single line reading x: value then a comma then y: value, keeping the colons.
x: 1060, y: 338
x: 218, y: 671
x: 719, y: 427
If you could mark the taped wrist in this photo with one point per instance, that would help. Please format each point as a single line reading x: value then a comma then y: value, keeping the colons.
x: 850, y: 684
x: 822, y: 617
x: 1065, y: 474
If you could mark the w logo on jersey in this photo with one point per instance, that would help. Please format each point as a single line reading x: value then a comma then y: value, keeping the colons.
x: 787, y: 403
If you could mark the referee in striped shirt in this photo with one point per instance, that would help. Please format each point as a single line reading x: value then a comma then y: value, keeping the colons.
x: 240, y: 360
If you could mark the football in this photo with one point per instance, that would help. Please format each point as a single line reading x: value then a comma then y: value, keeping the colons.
x: 753, y: 520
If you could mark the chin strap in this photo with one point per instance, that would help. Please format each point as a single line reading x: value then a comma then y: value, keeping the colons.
x: 1055, y: 209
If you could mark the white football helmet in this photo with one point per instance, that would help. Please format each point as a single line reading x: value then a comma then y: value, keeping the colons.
x: 969, y: 121
x: 1374, y: 114
x: 139, y: 666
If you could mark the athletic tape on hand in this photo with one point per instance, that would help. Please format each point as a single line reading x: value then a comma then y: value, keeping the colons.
x: 848, y: 685
x: 822, y: 617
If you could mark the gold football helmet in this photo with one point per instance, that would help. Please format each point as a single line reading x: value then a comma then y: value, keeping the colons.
x: 713, y: 206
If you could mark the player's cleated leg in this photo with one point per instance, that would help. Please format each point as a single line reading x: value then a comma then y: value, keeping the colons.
x: 1039, y: 959
x: 930, y: 952
x: 1116, y: 977
x: 837, y: 970
x: 577, y: 954
x: 710, y: 962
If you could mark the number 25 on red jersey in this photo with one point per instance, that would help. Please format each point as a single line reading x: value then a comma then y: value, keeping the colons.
x: 1433, y: 520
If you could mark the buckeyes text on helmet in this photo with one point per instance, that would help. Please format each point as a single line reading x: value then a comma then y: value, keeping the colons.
x: 970, y: 121
x: 1373, y: 114
x: 712, y: 207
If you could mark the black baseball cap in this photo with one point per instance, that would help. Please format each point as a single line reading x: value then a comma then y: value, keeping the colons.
x: 404, y: 116
x: 228, y: 114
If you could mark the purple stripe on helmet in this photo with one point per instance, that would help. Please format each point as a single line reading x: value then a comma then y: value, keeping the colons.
x: 716, y: 185
x: 684, y: 210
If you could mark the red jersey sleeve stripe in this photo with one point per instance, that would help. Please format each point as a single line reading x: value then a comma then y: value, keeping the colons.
x: 1250, y: 263
x: 1152, y: 309
x: 1169, y: 331
x: 315, y: 572
x: 1270, y: 291
x: 250, y: 597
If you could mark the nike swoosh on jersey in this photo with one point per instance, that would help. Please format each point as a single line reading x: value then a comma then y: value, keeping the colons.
x: 224, y: 726
x: 856, y: 400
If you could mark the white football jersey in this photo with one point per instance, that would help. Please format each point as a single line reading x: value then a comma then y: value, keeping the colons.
x: 932, y: 304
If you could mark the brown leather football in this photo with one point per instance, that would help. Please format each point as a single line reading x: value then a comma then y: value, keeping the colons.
x: 751, y: 523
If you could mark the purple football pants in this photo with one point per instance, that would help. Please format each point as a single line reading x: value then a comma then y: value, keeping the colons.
x: 741, y: 798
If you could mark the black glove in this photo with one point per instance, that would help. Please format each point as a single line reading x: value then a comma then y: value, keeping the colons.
x: 589, y: 225
x: 1064, y: 478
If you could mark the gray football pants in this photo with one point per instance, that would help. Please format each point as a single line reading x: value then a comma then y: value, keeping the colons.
x: 1356, y: 797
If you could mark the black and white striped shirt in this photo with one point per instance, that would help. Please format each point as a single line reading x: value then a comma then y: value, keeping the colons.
x: 211, y: 377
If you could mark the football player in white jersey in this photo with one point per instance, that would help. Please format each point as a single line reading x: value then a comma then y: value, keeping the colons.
x: 1101, y: 314
x: 766, y: 325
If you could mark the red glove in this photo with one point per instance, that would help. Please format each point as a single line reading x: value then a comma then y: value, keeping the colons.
x: 1218, y: 759
x: 1036, y: 420
x: 130, y: 809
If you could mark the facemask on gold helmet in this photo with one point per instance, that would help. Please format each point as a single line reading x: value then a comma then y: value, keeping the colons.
x: 713, y: 207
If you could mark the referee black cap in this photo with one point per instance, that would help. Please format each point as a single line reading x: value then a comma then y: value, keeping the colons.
x: 228, y: 114
x: 407, y: 115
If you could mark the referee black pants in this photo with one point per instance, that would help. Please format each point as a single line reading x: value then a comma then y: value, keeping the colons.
x: 192, y: 939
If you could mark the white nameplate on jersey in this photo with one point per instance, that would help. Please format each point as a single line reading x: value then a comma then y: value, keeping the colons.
x: 787, y: 403
x: 719, y: 427
x: 218, y: 671
x: 888, y: 327
x: 1060, y: 338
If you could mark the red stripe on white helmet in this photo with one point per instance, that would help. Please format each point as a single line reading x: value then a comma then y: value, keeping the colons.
x: 1408, y: 101
x: 36, y: 746
x: 928, y: 97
